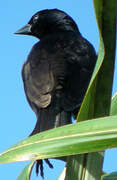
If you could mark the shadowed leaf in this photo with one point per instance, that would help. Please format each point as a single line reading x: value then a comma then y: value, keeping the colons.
x: 111, y: 176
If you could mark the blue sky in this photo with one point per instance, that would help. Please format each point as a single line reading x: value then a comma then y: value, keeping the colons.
x: 17, y: 119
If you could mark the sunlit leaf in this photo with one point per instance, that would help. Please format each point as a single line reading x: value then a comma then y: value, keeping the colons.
x: 83, y: 137
x: 113, y: 110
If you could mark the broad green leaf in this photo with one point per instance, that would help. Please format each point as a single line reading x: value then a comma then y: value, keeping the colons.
x: 113, y: 110
x: 97, y: 100
x: 111, y: 176
x: 26, y: 172
x: 75, y: 163
x: 82, y: 137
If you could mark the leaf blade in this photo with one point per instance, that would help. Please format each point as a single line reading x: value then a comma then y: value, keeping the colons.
x: 88, y: 136
x: 111, y: 176
x: 113, y: 110
x: 26, y: 172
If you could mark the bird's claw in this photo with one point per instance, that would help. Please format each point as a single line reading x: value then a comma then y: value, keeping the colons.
x: 39, y: 165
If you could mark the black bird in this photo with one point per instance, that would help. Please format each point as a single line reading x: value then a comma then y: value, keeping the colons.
x: 58, y: 68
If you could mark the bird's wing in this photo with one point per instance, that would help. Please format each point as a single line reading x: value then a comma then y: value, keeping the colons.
x: 38, y: 83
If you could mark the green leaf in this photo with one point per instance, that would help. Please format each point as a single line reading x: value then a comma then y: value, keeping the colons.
x: 113, y: 110
x: 97, y: 100
x: 26, y: 172
x: 75, y: 170
x: 74, y: 167
x: 83, y: 137
x: 111, y: 176
x: 98, y: 96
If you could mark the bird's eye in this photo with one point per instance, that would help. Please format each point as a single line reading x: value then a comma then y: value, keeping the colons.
x: 35, y: 19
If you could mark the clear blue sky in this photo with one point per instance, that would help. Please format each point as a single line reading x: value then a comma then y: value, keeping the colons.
x: 17, y: 119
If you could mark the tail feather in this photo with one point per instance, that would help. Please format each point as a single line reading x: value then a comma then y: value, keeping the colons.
x: 49, y: 120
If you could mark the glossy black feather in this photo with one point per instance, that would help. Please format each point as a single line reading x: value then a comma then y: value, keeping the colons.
x: 56, y: 76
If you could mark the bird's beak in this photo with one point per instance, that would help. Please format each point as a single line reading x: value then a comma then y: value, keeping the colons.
x: 26, y: 30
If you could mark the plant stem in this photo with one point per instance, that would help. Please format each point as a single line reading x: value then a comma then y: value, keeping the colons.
x: 85, y: 166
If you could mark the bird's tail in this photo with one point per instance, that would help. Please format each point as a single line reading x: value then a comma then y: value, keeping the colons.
x: 49, y: 120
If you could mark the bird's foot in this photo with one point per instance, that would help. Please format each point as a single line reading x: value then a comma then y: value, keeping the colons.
x: 39, y: 165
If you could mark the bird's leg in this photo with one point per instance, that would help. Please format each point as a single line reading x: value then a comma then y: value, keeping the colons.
x: 39, y: 164
x: 48, y: 163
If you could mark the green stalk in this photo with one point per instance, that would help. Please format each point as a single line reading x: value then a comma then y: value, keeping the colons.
x: 85, y: 167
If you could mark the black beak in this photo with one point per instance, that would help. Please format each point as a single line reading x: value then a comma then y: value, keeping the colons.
x: 26, y: 30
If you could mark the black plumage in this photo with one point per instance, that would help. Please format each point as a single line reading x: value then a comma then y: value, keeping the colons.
x: 58, y: 68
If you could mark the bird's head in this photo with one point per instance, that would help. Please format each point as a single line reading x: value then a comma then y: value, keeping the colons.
x: 47, y: 22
